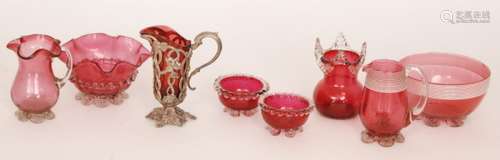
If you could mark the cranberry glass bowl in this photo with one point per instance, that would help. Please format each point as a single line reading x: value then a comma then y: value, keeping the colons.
x: 240, y: 93
x: 104, y: 66
x: 285, y: 112
x: 457, y: 84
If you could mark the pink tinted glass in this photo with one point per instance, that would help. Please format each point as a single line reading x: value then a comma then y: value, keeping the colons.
x: 385, y: 65
x: 100, y: 46
x: 384, y: 109
x: 36, y: 89
x: 286, y: 102
x: 449, y: 69
x: 104, y: 66
x: 457, y: 86
x: 241, y: 83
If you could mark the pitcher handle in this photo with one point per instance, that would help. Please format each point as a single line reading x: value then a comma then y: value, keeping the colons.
x: 422, y: 102
x: 69, y: 64
x: 198, y: 40
x: 362, y: 57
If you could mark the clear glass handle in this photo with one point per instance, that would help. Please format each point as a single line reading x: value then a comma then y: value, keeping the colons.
x: 198, y: 40
x: 318, y: 53
x: 69, y: 64
x: 361, y: 60
x: 422, y: 102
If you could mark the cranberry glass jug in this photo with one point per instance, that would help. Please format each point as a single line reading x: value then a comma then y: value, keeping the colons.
x: 36, y: 90
x: 384, y: 110
x: 338, y: 94
x: 171, y: 65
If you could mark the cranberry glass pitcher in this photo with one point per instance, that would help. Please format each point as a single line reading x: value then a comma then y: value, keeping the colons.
x: 384, y: 110
x: 171, y: 65
x: 338, y: 94
x: 36, y: 90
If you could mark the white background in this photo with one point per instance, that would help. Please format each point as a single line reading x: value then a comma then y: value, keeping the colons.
x: 271, y: 39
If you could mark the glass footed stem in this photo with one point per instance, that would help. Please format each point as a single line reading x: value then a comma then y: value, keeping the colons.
x: 288, y: 132
x: 237, y: 113
x: 101, y: 100
x: 171, y: 115
x: 35, y: 117
x: 436, y: 122
x: 384, y: 141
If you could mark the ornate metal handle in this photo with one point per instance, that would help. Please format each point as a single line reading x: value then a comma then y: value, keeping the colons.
x: 198, y: 40
x: 422, y: 102
x: 69, y: 64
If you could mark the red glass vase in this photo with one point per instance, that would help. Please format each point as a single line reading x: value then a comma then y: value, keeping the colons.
x: 338, y: 94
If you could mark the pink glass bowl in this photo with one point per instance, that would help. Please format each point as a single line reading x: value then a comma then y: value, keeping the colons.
x: 104, y: 66
x: 285, y: 112
x: 240, y: 93
x: 457, y: 84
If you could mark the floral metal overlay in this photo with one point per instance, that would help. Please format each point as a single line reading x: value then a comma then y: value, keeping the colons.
x: 171, y: 64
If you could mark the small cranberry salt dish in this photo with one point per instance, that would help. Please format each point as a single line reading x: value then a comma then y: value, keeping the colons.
x: 285, y: 112
x: 240, y: 93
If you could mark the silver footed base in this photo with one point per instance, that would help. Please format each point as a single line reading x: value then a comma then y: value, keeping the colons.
x: 170, y: 116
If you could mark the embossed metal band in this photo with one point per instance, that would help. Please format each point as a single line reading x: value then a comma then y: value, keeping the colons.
x: 449, y: 92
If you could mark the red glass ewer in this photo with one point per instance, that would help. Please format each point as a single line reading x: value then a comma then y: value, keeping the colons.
x: 36, y: 89
x: 338, y: 94
x: 104, y: 66
x: 171, y: 65
x: 384, y: 110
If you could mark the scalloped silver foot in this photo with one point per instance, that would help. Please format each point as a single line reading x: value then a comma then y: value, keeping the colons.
x: 163, y: 116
